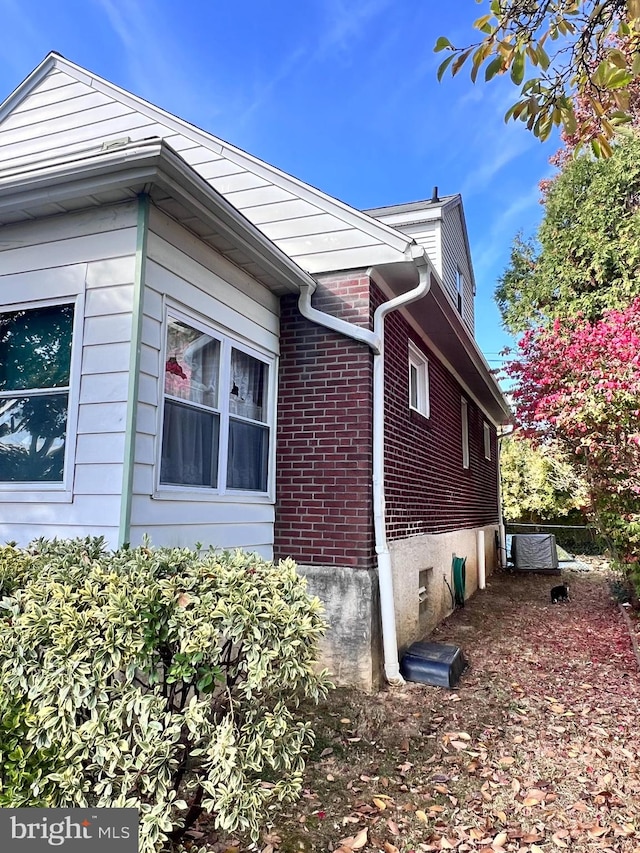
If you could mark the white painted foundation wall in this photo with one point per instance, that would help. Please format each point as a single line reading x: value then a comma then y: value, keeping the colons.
x: 427, y: 560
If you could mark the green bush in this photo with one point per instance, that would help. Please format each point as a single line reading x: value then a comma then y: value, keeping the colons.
x: 157, y: 680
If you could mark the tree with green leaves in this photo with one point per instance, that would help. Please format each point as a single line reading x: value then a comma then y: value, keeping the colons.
x: 586, y: 255
x: 576, y: 64
x: 156, y: 679
x: 538, y: 482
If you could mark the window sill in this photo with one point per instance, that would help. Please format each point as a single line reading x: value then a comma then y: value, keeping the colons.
x: 425, y: 416
x: 211, y: 497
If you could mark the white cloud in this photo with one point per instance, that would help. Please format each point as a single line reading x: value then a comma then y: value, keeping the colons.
x: 493, y: 157
x: 520, y: 215
x: 297, y: 58
x: 158, y: 66
x: 346, y: 22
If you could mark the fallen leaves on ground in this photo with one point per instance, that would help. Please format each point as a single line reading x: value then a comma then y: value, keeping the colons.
x: 535, y: 752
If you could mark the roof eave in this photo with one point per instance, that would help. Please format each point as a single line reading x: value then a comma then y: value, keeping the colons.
x: 139, y: 166
x: 386, y: 234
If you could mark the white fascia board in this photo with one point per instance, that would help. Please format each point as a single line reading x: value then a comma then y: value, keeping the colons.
x: 76, y: 177
x: 384, y: 233
x: 22, y: 90
x: 139, y: 166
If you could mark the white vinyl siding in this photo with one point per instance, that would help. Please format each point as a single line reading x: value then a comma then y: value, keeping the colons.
x: 428, y: 234
x: 185, y: 277
x: 68, y: 111
x: 88, y: 258
x: 455, y: 264
x: 440, y: 229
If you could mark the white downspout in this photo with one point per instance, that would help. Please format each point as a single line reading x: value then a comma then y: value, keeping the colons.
x: 375, y: 340
x: 385, y: 575
x: 502, y: 535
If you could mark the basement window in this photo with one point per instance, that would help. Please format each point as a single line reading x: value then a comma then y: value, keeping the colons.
x: 418, y: 381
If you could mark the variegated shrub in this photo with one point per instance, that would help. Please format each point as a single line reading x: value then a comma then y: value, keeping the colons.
x: 154, y: 679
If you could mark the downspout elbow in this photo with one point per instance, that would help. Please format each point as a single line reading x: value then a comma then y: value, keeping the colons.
x: 423, y: 265
x: 342, y: 327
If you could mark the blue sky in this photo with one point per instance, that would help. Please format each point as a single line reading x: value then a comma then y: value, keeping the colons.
x: 340, y: 93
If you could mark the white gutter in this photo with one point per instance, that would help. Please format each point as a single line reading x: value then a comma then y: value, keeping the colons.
x: 375, y: 340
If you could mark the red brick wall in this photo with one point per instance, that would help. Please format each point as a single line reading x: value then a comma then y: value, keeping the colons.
x: 323, y: 438
x: 426, y: 488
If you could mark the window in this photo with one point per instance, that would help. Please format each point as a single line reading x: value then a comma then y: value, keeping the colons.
x: 418, y: 381
x: 487, y: 441
x: 35, y: 369
x: 459, y: 289
x: 464, y: 411
x: 216, y: 429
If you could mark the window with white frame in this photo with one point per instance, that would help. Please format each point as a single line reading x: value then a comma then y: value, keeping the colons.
x: 418, y: 381
x: 487, y: 440
x: 216, y: 426
x: 464, y: 412
x: 35, y: 377
x: 459, y: 289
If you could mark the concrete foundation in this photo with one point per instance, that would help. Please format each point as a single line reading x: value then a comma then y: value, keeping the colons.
x: 352, y: 646
x: 423, y: 589
x: 423, y: 578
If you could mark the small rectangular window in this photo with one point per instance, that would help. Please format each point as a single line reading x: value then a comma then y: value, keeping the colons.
x: 487, y: 441
x: 35, y: 370
x: 464, y: 412
x: 418, y: 381
x: 459, y: 289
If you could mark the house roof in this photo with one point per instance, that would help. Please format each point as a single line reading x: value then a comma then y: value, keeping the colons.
x: 317, y: 231
x: 414, y: 211
x: 121, y: 173
x: 55, y: 124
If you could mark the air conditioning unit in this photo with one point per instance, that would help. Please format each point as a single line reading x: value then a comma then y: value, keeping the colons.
x: 534, y: 552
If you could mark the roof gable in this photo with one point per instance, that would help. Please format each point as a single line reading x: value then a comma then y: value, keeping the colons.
x: 440, y: 226
x: 61, y: 109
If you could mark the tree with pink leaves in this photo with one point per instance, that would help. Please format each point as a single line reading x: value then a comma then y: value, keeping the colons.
x: 578, y: 384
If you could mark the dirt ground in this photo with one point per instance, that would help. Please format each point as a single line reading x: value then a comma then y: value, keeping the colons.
x: 536, y: 750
